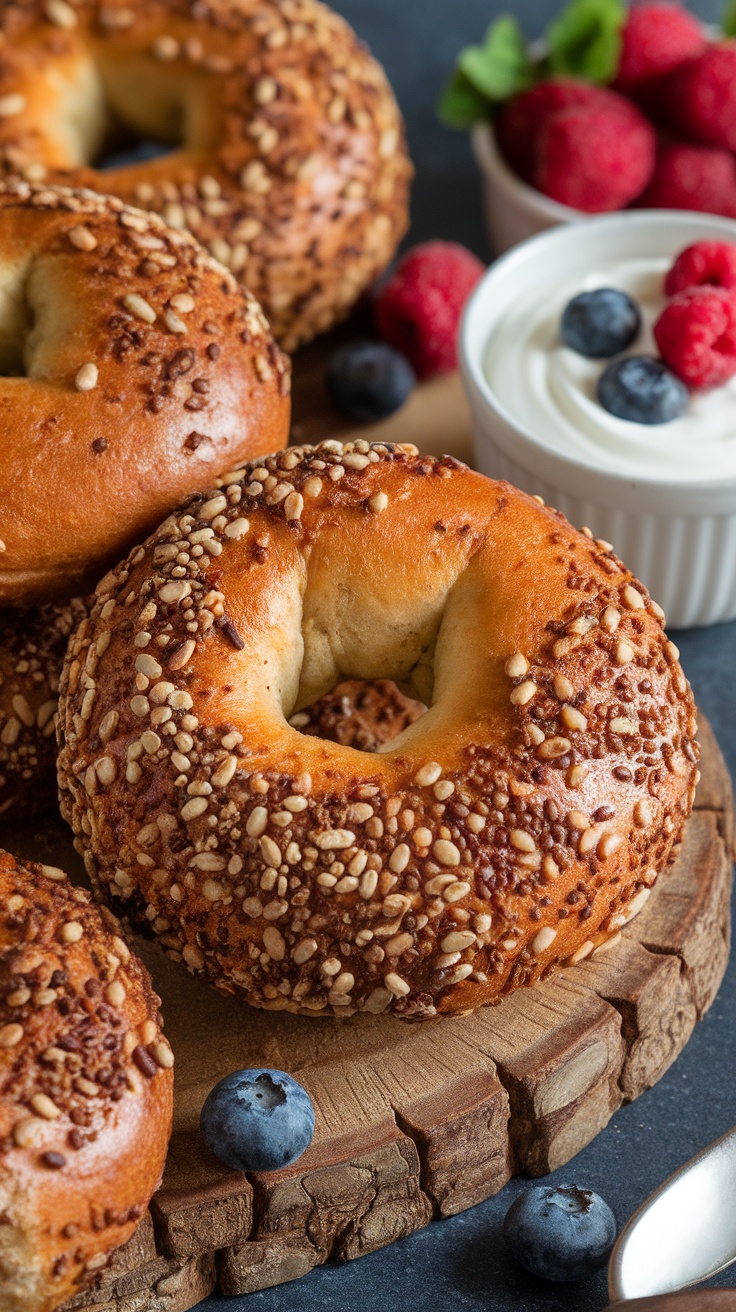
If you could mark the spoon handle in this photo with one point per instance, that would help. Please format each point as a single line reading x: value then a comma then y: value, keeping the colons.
x: 687, y: 1300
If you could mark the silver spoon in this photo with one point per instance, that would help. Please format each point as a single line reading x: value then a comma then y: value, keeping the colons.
x: 684, y: 1233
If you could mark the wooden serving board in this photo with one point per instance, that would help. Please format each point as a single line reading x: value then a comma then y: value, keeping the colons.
x: 414, y: 1122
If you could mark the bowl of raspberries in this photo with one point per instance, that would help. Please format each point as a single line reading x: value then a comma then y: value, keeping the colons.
x: 599, y: 360
x: 615, y: 108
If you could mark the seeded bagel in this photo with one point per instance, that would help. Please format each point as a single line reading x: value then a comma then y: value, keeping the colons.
x: 86, y: 1088
x: 134, y: 370
x: 514, y: 827
x: 288, y: 159
x: 32, y: 646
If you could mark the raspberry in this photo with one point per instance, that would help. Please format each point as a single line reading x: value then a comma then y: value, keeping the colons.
x: 522, y: 118
x: 709, y: 263
x: 693, y: 178
x: 418, y: 310
x: 655, y: 39
x: 696, y: 336
x: 594, y: 157
x: 700, y: 96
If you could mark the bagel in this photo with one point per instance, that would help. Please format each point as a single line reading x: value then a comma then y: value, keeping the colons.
x: 288, y: 160
x: 86, y: 1088
x: 513, y: 828
x: 134, y: 371
x: 359, y: 714
x: 32, y: 646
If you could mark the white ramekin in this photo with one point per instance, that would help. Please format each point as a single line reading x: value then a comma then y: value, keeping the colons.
x: 679, y: 539
x: 513, y: 209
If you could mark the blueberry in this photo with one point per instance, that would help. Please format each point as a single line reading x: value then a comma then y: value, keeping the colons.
x: 564, y: 1233
x: 600, y: 323
x: 642, y: 389
x: 257, y: 1120
x: 369, y: 380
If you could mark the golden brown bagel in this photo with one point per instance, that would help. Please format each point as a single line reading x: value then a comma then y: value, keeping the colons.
x: 288, y: 162
x: 86, y: 1088
x: 512, y: 828
x: 32, y: 646
x: 135, y: 370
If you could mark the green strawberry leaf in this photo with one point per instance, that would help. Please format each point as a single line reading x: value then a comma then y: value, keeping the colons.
x: 501, y: 66
x: 729, y: 20
x: 460, y: 105
x: 585, y: 40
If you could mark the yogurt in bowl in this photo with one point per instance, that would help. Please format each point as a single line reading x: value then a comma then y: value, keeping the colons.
x: 664, y: 495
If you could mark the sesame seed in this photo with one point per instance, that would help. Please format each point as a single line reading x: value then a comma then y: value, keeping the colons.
x: 611, y: 942
x: 582, y: 952
x: 575, y: 775
x: 396, y: 985
x: 147, y: 665
x: 139, y: 308
x: 551, y: 748
x: 174, y: 323
x: 334, y: 839
x: 86, y: 378
x: 166, y: 48
x: 573, y: 718
x: 312, y: 487
x: 60, y: 14
x: 378, y: 502
x: 212, y: 890
x: 523, y: 693
x: 212, y: 508
x: 24, y: 1132
x: 10, y: 1035
x: 588, y: 840
x: 162, y: 1055
x: 293, y: 506
x: 517, y: 666
x: 256, y: 822
x: 610, y: 619
x: 443, y: 789
x: 633, y: 598
x: 457, y: 940
x: 115, y: 993
x: 577, y: 820
x: 53, y: 873
x: 608, y: 844
x: 624, y: 652
x: 265, y: 90
x: 224, y: 772
x: 399, y: 859
x: 71, y: 932
x: 455, y: 891
x: 43, y: 1106
x: 428, y: 774
x: 140, y: 705
x: 271, y: 852
x: 522, y: 841
x: 237, y: 528
x: 196, y: 806
x: 643, y: 813
x: 623, y: 725
x: 175, y: 591
x: 12, y: 105
x: 183, y: 303
x: 563, y: 688
x: 543, y: 940
x: 446, y: 852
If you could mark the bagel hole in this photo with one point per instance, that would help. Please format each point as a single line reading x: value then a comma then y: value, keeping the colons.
x: 365, y: 714
x: 17, y: 320
x: 126, y: 154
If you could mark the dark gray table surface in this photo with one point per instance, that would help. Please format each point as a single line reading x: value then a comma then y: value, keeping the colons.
x: 460, y: 1263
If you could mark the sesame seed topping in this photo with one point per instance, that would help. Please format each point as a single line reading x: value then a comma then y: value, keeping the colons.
x: 633, y: 598
x: 523, y: 693
x: 60, y: 14
x: 428, y: 774
x: 10, y: 1035
x: 139, y: 308
x: 543, y: 940
x: 446, y: 852
x: 378, y: 502
x: 517, y: 666
x: 12, y: 105
x: 43, y: 1106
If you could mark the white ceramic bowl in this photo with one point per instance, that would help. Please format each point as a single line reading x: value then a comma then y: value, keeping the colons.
x: 513, y: 209
x: 678, y: 538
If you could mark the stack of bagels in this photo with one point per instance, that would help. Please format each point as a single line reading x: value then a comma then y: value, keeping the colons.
x: 213, y: 622
x: 143, y: 311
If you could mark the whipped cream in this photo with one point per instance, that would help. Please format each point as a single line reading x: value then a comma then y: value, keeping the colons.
x: 550, y: 390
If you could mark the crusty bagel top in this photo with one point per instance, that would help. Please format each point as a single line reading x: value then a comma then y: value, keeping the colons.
x: 290, y: 164
x: 550, y: 777
x: 135, y: 370
x: 86, y: 1088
